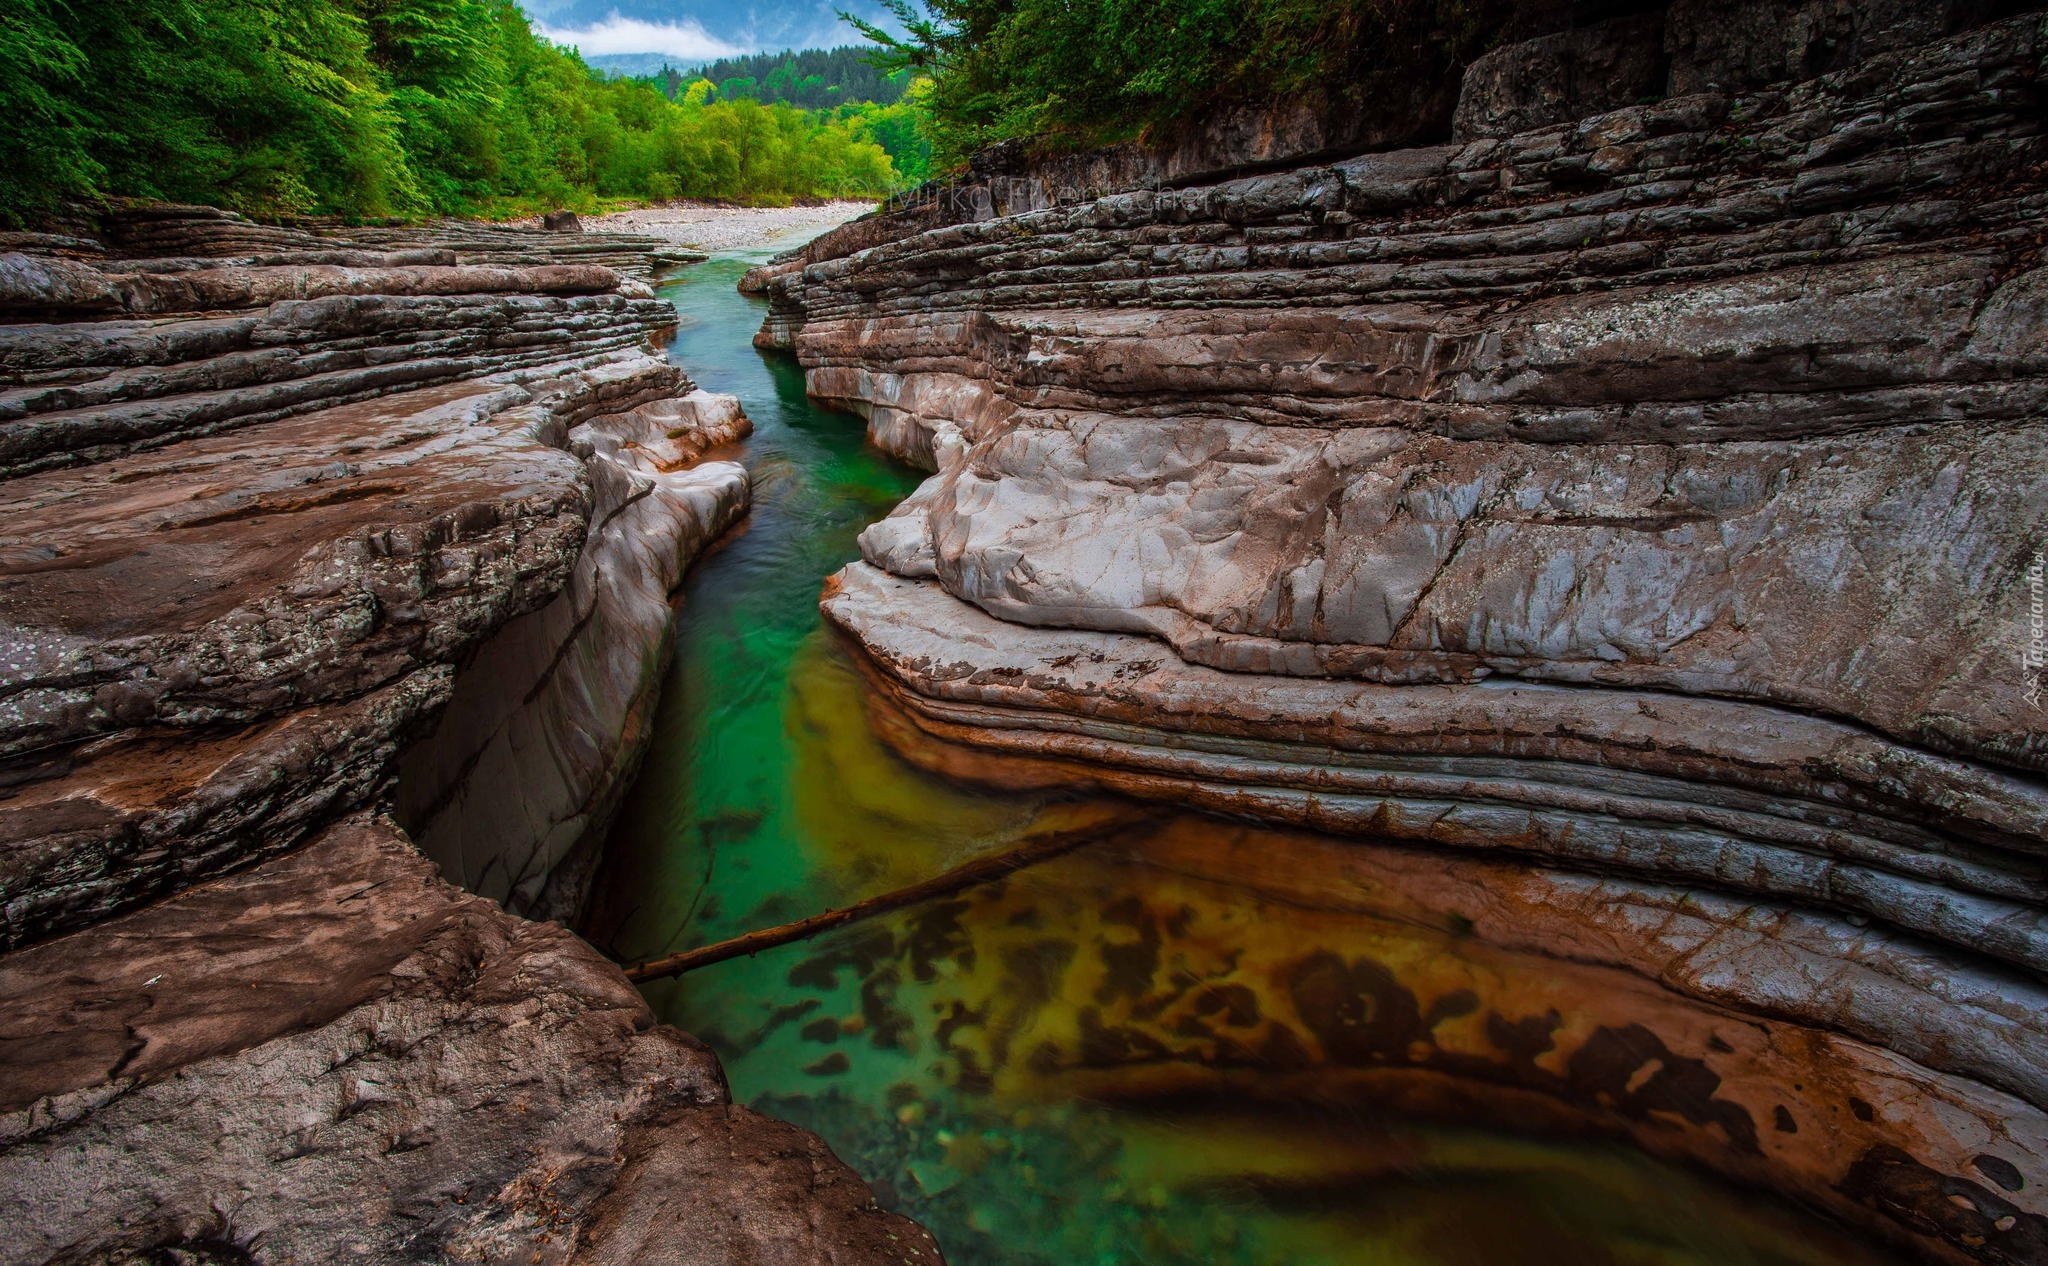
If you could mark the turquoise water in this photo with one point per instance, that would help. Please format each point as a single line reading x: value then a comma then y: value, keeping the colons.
x: 1083, y: 1063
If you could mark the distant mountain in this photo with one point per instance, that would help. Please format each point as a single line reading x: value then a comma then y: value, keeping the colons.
x: 694, y: 32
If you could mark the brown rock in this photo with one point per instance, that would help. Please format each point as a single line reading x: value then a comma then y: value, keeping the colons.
x: 281, y: 566
x: 338, y: 1055
x: 1732, y: 45
x: 253, y: 537
x: 1643, y: 500
x: 1562, y: 78
x: 560, y: 702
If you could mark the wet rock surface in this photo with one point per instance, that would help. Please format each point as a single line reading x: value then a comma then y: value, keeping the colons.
x: 338, y: 1056
x: 1647, y: 495
x: 348, y: 520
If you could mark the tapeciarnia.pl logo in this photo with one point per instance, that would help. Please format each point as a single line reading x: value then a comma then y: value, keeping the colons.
x: 2035, y: 656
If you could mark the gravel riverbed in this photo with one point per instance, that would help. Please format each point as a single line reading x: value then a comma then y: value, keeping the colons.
x: 722, y: 228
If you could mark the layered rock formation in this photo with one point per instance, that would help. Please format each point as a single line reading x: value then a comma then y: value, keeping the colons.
x: 558, y: 703
x: 304, y: 523
x: 1647, y: 499
x: 238, y: 323
x: 336, y: 1056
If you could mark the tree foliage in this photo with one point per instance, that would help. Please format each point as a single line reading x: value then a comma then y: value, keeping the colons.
x: 1086, y: 71
x: 882, y: 106
x: 45, y: 132
x: 374, y: 107
x: 814, y: 78
x: 901, y: 129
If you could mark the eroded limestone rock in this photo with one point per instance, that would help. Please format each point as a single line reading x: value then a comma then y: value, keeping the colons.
x: 559, y: 702
x: 1647, y: 499
x: 338, y: 1056
x: 349, y: 511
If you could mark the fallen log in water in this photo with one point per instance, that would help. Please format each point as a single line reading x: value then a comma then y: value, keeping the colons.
x: 981, y: 870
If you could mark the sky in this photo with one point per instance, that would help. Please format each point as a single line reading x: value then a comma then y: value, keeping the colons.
x: 696, y: 30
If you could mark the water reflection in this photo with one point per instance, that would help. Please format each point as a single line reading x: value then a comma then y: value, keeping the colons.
x: 1202, y: 1043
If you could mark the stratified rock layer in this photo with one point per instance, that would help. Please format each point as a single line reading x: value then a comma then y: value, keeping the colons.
x: 1657, y: 495
x: 244, y: 323
x: 348, y: 521
x: 558, y: 704
x: 336, y: 1056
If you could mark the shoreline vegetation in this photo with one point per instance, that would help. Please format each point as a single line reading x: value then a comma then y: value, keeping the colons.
x: 371, y: 109
x: 412, y: 109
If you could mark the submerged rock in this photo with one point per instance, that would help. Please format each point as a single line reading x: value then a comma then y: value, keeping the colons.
x: 1648, y: 497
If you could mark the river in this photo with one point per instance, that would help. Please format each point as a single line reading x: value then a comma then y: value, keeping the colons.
x: 1058, y: 1068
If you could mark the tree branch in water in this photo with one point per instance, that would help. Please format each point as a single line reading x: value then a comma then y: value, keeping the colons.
x: 982, y: 870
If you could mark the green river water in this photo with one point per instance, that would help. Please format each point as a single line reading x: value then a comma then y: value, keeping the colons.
x: 961, y: 1056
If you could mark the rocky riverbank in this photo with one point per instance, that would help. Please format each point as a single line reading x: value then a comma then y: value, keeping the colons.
x: 306, y: 525
x: 1639, y: 492
x: 714, y: 227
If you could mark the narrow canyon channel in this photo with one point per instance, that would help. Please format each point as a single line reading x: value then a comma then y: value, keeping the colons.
x: 1501, y: 599
x: 1104, y: 1058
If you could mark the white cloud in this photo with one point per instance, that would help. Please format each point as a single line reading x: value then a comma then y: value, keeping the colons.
x: 684, y: 40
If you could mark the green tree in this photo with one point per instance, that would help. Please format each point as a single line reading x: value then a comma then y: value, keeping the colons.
x: 813, y: 78
x: 1080, y: 72
x: 377, y: 107
x: 48, y: 137
x: 263, y: 105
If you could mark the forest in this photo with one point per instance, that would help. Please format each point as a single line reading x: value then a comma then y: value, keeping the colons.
x: 1073, y: 73
x: 375, y: 108
x: 813, y: 78
x: 881, y: 105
